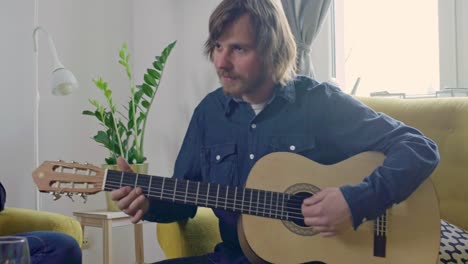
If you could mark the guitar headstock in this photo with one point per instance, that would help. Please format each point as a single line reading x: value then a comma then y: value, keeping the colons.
x: 68, y: 178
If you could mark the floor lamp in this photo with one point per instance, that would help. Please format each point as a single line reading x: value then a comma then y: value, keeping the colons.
x: 63, y: 82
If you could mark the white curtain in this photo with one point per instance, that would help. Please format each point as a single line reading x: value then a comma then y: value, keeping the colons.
x: 305, y: 18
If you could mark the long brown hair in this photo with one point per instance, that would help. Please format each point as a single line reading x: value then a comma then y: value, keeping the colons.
x: 274, y: 39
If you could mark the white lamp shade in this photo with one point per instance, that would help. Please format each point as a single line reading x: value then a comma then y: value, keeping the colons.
x: 63, y: 82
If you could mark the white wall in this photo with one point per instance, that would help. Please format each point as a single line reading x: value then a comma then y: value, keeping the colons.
x: 17, y: 102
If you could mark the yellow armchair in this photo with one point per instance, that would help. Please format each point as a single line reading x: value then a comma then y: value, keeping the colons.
x: 183, y: 238
x: 16, y: 220
x: 445, y: 120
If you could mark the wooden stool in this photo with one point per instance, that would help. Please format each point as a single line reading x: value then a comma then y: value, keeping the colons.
x: 107, y: 220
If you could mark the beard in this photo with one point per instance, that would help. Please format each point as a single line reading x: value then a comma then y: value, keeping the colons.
x: 236, y: 85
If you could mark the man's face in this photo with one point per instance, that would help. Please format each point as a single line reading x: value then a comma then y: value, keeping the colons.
x: 239, y: 65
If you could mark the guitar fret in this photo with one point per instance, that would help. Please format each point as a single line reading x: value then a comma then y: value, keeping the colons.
x: 225, y: 201
x: 242, y: 204
x: 264, y: 202
x: 235, y: 198
x: 250, y: 205
x: 186, y: 191
x: 217, y: 194
x: 162, y: 187
x: 149, y: 187
x: 271, y: 202
x: 273, y: 209
x: 207, y: 195
x: 121, y: 179
x: 136, y: 180
x: 175, y: 188
x: 258, y: 197
x: 287, y: 213
x: 282, y: 208
x: 277, y: 194
x: 198, y: 188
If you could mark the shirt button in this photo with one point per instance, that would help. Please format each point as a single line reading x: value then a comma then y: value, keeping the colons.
x: 253, y: 126
x: 252, y: 156
x: 218, y: 157
x: 292, y: 147
x: 364, y: 219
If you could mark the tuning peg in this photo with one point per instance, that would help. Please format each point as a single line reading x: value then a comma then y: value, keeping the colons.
x: 55, y: 195
x: 70, y: 195
x: 59, y: 160
x: 84, y: 196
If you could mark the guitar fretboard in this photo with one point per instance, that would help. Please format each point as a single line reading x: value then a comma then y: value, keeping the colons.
x: 263, y: 203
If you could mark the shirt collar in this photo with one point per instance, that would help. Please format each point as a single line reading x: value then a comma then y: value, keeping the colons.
x: 288, y: 92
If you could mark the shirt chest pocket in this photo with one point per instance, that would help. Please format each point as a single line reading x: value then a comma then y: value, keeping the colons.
x: 300, y: 144
x: 219, y: 163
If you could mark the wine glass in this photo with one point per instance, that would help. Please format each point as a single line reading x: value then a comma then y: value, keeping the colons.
x: 14, y: 250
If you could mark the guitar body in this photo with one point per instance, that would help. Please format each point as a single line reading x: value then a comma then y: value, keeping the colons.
x: 413, y: 226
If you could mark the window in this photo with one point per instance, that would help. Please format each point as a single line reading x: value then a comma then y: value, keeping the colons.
x: 387, y: 46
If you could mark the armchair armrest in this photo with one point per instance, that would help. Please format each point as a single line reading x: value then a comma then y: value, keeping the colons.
x: 18, y: 220
x: 182, y: 239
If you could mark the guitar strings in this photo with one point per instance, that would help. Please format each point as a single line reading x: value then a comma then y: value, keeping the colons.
x: 192, y: 188
x: 274, y: 209
x: 202, y: 192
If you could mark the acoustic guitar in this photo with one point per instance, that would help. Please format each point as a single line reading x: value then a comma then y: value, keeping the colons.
x: 271, y: 227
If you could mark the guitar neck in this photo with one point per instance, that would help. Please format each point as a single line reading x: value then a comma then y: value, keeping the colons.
x: 234, y: 199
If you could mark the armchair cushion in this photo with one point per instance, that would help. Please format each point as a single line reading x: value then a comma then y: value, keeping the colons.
x: 183, y: 238
x: 16, y: 220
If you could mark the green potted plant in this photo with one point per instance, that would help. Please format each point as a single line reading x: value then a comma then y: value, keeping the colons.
x: 123, y: 133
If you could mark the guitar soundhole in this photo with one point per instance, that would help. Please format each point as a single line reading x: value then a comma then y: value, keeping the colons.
x: 295, y: 223
x: 296, y: 202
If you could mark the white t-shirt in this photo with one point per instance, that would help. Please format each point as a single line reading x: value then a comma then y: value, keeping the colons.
x: 258, y: 107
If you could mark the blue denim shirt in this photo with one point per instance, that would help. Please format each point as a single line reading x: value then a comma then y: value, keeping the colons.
x: 225, y: 138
